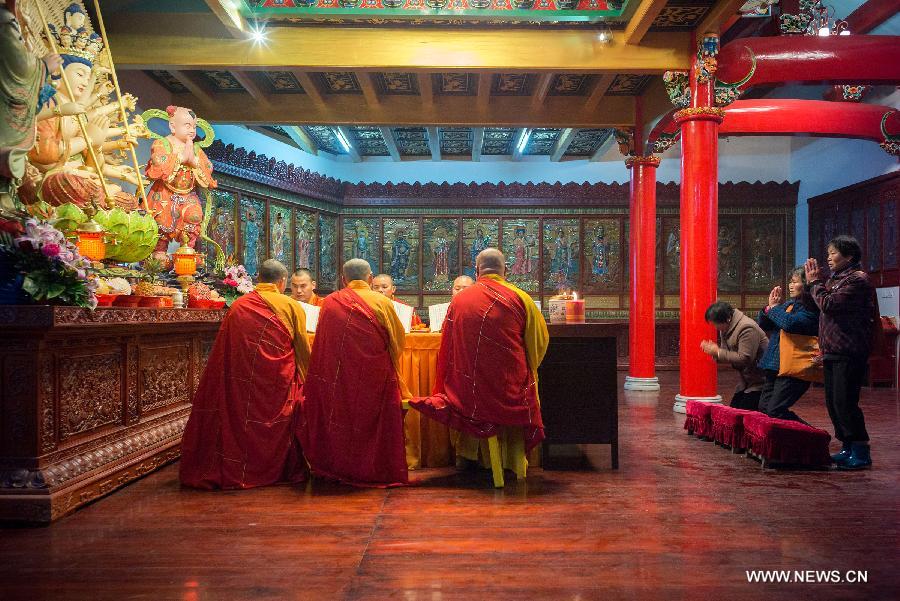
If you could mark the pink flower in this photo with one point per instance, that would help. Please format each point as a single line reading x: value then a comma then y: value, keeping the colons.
x: 229, y: 282
x: 50, y: 249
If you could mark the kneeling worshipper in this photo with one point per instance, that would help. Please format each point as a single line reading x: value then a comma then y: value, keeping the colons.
x: 351, y: 421
x: 494, y: 338
x: 743, y: 344
x: 384, y: 284
x: 241, y: 432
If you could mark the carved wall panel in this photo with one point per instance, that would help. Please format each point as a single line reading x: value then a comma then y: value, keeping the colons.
x: 763, y: 253
x: 165, y: 376
x: 47, y: 381
x: 478, y: 234
x: 222, y: 226
x: 253, y: 233
x: 362, y: 241
x: 90, y: 392
x: 327, y: 275
x: 521, y: 245
x: 604, y: 260
x: 562, y: 255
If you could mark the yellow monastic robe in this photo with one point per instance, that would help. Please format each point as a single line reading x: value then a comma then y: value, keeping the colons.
x: 387, y: 317
x: 293, y: 317
x: 511, y: 438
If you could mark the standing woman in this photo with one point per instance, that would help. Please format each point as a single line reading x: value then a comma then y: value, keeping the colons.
x: 798, y: 315
x: 847, y: 303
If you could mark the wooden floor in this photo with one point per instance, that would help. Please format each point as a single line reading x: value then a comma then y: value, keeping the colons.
x: 681, y: 519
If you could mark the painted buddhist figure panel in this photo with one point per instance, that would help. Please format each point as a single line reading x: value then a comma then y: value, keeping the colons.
x: 562, y: 254
x: 729, y: 254
x: 604, y: 262
x: 671, y: 253
x: 478, y: 234
x: 328, y: 268
x: 521, y: 245
x: 281, y: 241
x: 440, y: 255
x: 305, y: 240
x: 400, y: 256
x: 763, y: 253
x: 222, y: 226
x: 253, y: 233
x: 362, y: 240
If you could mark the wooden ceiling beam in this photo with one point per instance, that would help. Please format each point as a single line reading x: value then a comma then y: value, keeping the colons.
x: 719, y: 14
x: 353, y: 151
x: 600, y: 88
x: 503, y: 111
x: 302, y: 139
x: 310, y: 87
x: 641, y: 20
x: 434, y: 143
x: 246, y: 80
x: 230, y: 16
x: 484, y: 92
x: 368, y: 89
x: 477, y: 143
x: 541, y: 90
x: 871, y: 14
x: 516, y: 151
x: 192, y: 82
x: 413, y: 49
x: 562, y: 143
x: 601, y: 150
x: 390, y: 142
x: 426, y: 89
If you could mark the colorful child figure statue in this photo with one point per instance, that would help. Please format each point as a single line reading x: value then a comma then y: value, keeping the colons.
x: 178, y: 167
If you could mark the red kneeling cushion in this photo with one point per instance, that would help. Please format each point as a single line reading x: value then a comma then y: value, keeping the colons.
x: 728, y: 425
x: 786, y: 441
x: 697, y: 418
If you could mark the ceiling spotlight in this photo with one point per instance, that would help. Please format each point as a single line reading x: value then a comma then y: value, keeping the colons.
x: 258, y: 34
x: 604, y: 33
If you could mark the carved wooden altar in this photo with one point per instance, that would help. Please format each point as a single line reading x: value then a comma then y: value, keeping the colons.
x: 92, y: 400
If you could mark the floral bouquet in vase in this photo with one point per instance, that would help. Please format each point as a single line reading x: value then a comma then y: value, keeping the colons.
x: 236, y: 283
x: 47, y: 267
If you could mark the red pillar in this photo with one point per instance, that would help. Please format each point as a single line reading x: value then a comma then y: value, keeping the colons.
x: 642, y: 266
x: 699, y: 238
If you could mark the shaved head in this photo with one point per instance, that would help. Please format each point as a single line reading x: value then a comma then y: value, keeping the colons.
x: 357, y: 269
x: 384, y: 284
x: 490, y: 261
x: 460, y: 284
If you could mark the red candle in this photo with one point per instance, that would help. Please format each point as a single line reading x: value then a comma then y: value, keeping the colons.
x: 575, y: 310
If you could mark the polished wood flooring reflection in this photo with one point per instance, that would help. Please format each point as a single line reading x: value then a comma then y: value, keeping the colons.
x: 681, y: 520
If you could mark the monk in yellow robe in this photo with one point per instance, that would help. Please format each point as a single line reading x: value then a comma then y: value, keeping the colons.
x: 303, y: 288
x: 352, y: 422
x: 242, y: 428
x: 384, y: 284
x: 493, y: 340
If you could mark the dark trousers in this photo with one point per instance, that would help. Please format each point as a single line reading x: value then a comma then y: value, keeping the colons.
x: 786, y: 392
x: 746, y: 400
x: 767, y: 388
x: 843, y: 380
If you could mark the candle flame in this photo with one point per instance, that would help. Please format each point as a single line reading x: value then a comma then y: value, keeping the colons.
x: 574, y: 296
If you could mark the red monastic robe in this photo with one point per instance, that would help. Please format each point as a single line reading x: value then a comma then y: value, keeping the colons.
x: 351, y: 423
x: 241, y: 432
x: 484, y: 380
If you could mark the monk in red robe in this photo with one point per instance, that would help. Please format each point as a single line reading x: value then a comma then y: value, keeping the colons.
x: 384, y: 284
x: 303, y: 288
x: 352, y: 422
x: 494, y: 339
x: 242, y: 428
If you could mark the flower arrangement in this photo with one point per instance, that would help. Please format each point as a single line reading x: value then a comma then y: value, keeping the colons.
x: 236, y: 283
x: 50, y: 267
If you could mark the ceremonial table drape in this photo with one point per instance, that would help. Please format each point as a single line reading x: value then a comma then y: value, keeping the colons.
x: 427, y: 442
